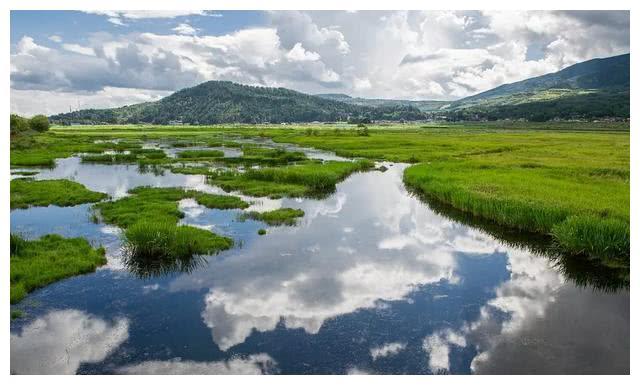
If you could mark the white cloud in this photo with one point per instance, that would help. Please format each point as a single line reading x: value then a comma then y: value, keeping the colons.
x: 251, y: 365
x: 60, y: 341
x: 412, y: 55
x: 387, y: 350
x: 79, y: 49
x: 184, y: 29
x: 298, y: 53
x: 55, y: 38
x: 438, y: 346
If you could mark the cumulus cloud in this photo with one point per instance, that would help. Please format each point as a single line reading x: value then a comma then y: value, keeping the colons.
x: 438, y: 346
x: 415, y: 55
x: 60, y: 341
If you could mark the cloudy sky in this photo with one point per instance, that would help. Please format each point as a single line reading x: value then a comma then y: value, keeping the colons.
x: 67, y: 59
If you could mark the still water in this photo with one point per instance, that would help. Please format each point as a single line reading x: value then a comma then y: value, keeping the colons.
x: 371, y: 280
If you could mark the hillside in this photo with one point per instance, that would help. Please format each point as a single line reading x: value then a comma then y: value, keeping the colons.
x: 591, y: 89
x: 422, y: 105
x: 226, y: 102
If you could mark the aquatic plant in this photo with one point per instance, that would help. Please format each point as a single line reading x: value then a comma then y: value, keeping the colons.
x: 37, y: 263
x: 60, y: 192
x: 192, y: 154
x: 282, y: 216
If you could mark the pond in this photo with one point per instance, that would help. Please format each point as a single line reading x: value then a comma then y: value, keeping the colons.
x: 371, y: 280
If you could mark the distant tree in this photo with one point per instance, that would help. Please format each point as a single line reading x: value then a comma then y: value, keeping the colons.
x: 39, y: 123
x: 18, y: 124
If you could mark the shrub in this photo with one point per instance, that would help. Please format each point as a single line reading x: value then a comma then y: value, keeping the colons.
x: 39, y: 123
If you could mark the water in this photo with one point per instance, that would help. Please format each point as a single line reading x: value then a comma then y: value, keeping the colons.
x: 371, y: 280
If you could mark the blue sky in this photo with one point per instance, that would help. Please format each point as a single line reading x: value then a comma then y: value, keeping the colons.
x: 66, y: 59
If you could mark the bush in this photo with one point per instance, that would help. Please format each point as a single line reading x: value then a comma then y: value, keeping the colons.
x: 39, y: 123
x: 18, y: 124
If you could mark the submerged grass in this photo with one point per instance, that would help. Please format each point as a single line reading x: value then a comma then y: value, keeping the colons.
x: 283, y: 216
x: 40, y: 262
x: 59, y: 192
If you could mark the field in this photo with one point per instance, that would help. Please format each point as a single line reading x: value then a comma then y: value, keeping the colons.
x: 569, y: 181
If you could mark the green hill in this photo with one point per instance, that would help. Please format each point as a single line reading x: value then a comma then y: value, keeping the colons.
x: 226, y: 102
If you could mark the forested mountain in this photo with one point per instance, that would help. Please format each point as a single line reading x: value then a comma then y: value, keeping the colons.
x: 593, y: 89
x: 226, y: 102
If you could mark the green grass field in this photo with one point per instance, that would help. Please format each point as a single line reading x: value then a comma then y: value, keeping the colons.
x: 59, y: 192
x: 566, y: 180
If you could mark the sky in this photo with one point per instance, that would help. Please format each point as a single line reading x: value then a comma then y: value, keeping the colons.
x: 66, y: 60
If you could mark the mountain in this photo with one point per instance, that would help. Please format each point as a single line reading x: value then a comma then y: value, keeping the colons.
x: 591, y: 89
x: 226, y: 102
x: 422, y: 105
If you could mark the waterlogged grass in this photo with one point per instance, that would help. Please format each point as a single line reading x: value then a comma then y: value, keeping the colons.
x: 607, y: 239
x: 308, y: 179
x: 37, y: 263
x: 584, y: 214
x: 159, y: 204
x: 134, y: 155
x: 262, y: 232
x: 153, y: 248
x: 59, y: 192
x: 283, y: 216
x: 195, y: 154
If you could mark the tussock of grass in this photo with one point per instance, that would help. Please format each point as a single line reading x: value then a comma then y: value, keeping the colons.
x: 283, y: 216
x: 153, y: 248
x: 40, y: 262
x: 24, y: 173
x: 194, y: 154
x: 262, y: 232
x: 59, y: 192
x: 159, y: 204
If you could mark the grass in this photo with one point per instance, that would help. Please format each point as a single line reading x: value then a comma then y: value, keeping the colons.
x: 159, y: 204
x: 24, y: 173
x: 283, y: 216
x: 134, y: 155
x: 59, y: 192
x: 37, y: 263
x: 153, y: 248
x: 308, y: 179
x: 262, y: 232
x: 199, y: 154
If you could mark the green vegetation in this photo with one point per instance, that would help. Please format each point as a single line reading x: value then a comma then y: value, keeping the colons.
x: 262, y: 232
x: 18, y: 124
x: 15, y: 314
x: 154, y: 247
x: 59, y: 192
x: 191, y: 154
x: 283, y: 216
x: 132, y: 156
x: 159, y: 204
x: 40, y: 262
x: 226, y: 102
x: 306, y: 179
x: 24, y: 173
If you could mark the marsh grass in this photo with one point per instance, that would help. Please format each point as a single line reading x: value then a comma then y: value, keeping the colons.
x: 283, y: 216
x: 200, y: 154
x: 312, y: 179
x: 153, y: 248
x: 160, y: 204
x: 59, y: 192
x: 37, y: 263
x: 589, y: 225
